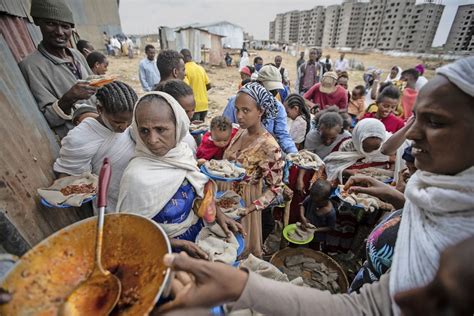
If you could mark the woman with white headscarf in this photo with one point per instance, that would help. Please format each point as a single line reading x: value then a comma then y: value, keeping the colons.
x: 438, y: 213
x: 162, y: 181
x: 394, y: 75
x: 362, y: 151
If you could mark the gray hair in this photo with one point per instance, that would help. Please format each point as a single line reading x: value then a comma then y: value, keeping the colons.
x: 330, y: 120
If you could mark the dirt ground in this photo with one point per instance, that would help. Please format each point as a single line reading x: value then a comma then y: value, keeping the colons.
x: 225, y: 80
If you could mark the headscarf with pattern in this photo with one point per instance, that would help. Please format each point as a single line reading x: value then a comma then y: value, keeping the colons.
x: 265, y: 100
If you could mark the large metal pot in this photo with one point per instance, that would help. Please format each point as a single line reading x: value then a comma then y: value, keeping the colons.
x: 133, y: 250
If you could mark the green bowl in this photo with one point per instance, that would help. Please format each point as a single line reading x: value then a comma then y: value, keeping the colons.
x: 291, y: 228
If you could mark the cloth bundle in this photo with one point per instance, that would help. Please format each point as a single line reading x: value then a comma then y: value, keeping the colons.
x: 54, y: 196
x: 213, y: 241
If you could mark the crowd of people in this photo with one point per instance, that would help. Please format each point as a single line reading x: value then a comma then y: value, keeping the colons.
x: 419, y: 130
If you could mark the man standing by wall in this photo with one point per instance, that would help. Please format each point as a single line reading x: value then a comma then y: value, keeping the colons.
x: 148, y: 71
x: 199, y: 82
x: 53, y: 70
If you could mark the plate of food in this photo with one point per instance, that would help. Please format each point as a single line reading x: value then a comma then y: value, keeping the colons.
x: 305, y: 160
x: 383, y: 175
x: 223, y: 170
x: 197, y: 128
x: 98, y: 81
x: 363, y: 201
x: 296, y: 235
x: 230, y: 203
x: 70, y: 191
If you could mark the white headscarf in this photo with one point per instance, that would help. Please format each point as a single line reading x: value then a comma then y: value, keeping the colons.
x: 150, y: 181
x: 438, y: 212
x: 338, y: 161
x: 397, y: 77
x: 461, y: 74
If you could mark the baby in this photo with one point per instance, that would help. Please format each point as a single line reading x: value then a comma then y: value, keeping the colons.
x: 215, y: 142
x: 356, y: 106
x: 318, y: 210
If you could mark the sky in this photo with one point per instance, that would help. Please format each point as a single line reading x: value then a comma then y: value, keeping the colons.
x: 145, y: 16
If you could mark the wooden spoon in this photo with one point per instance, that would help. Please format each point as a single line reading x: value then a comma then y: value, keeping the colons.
x: 99, y: 294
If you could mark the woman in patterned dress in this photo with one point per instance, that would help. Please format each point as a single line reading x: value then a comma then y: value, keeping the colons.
x: 259, y: 153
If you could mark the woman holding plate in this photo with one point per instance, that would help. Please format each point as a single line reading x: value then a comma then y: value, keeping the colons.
x: 162, y: 182
x: 258, y: 152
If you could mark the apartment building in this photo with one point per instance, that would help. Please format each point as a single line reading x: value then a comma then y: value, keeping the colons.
x: 377, y: 24
x: 330, y: 26
x: 461, y: 35
x: 422, y: 29
x: 311, y: 26
x: 351, y: 23
x: 272, y: 31
x: 290, y: 27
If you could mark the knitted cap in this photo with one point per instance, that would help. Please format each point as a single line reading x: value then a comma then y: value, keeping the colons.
x: 52, y: 9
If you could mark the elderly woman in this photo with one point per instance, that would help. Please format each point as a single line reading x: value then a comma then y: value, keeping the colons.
x: 259, y: 153
x: 163, y: 181
x: 360, y: 152
x: 438, y: 213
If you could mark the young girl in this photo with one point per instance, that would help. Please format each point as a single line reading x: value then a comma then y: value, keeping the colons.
x: 85, y: 146
x: 298, y: 118
x: 387, y: 102
x: 318, y: 210
x: 98, y: 63
x: 215, y: 142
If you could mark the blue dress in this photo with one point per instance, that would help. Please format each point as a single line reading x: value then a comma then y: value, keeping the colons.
x: 177, y: 210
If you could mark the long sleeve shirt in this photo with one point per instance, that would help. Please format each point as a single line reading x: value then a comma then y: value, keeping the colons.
x: 49, y: 78
x: 277, y: 127
x: 275, y: 298
x: 149, y: 74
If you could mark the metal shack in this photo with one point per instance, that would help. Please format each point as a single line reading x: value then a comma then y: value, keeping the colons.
x: 233, y: 35
x: 205, y: 46
x: 28, y: 146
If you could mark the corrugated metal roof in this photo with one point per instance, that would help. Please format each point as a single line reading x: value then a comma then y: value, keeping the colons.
x: 28, y: 149
x: 16, y: 32
x: 19, y: 8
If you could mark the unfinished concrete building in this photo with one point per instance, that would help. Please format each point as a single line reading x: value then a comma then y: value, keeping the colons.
x: 290, y: 27
x: 331, y: 24
x: 424, y: 23
x: 461, y: 35
x: 351, y: 23
x: 311, y: 26
x: 271, y: 34
x: 278, y: 33
x: 378, y: 24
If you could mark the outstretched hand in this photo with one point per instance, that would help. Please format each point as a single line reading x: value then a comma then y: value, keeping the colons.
x: 228, y: 225
x: 202, y: 284
x: 374, y: 187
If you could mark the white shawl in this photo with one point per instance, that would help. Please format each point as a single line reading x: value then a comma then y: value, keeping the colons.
x: 397, y: 77
x: 338, y: 161
x: 84, y: 149
x: 150, y: 181
x: 438, y: 212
